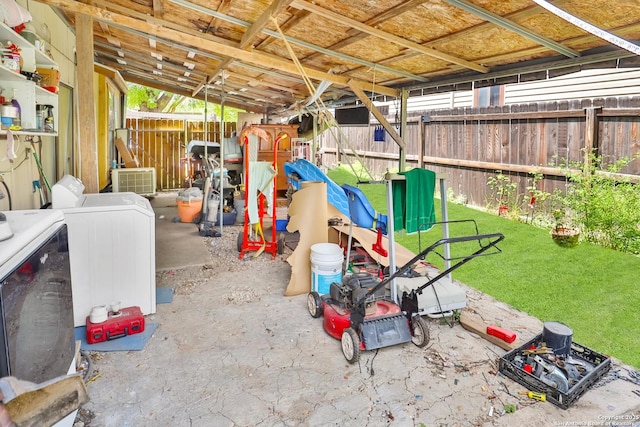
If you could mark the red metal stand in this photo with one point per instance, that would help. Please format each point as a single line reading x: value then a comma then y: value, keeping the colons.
x: 377, y: 246
x: 275, y: 244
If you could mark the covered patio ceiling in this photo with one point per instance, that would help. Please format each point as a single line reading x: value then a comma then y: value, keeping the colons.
x: 256, y: 54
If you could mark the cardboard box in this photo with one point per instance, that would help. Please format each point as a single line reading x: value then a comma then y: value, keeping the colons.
x: 50, y: 78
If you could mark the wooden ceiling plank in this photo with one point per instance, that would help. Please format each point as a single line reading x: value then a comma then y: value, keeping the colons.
x: 170, y: 88
x: 112, y: 74
x: 152, y: 20
x: 135, y: 56
x: 158, y: 9
x: 430, y: 51
x: 224, y: 49
x: 105, y: 28
x: 298, y: 42
x: 584, y: 25
x: 297, y: 16
x: 354, y: 36
x: 256, y: 28
x: 514, y: 16
x: 468, y: 32
x: 512, y: 26
x: 213, y: 26
x: 134, y: 68
x: 213, y: 76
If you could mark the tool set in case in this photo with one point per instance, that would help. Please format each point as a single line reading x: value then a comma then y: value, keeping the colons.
x: 127, y: 321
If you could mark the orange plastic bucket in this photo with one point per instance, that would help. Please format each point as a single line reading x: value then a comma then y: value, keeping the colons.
x: 189, y: 210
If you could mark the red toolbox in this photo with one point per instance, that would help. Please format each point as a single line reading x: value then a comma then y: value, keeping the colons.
x: 127, y: 321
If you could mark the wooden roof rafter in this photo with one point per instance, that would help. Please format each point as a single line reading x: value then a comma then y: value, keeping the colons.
x: 429, y: 51
x: 383, y: 44
x: 247, y: 39
x: 299, y: 42
x: 175, y: 45
x: 512, y: 26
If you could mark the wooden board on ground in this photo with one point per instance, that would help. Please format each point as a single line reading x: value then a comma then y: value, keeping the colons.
x: 476, y: 325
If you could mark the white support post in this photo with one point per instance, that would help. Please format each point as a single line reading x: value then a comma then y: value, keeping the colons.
x: 445, y: 226
x: 392, y: 241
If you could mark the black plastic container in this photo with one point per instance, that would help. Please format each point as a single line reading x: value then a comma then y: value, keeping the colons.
x: 601, y: 365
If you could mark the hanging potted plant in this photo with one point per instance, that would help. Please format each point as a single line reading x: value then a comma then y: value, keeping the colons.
x: 562, y: 234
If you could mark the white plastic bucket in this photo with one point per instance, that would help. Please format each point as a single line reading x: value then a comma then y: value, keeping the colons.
x: 326, y: 266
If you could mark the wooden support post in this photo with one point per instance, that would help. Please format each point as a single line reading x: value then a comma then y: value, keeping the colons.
x: 357, y: 90
x: 590, y: 137
x: 86, y: 104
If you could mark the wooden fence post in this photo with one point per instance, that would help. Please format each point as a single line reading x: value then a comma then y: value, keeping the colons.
x: 590, y: 137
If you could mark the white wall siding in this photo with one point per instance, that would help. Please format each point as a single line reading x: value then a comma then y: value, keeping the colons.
x: 581, y: 85
x: 434, y: 101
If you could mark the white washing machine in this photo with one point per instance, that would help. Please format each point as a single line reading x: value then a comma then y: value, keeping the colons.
x: 111, y: 248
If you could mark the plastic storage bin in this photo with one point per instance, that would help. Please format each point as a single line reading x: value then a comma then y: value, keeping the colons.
x: 601, y: 365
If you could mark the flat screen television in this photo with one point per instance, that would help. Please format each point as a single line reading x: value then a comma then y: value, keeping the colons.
x: 36, y: 307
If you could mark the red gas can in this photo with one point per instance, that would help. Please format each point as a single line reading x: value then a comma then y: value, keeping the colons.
x: 127, y: 321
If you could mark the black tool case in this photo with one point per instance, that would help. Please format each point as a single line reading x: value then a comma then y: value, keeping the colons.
x: 601, y: 365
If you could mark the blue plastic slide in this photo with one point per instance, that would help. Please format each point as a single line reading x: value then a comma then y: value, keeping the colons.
x: 303, y: 170
x: 361, y: 211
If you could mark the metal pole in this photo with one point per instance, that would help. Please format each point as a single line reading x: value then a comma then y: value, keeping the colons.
x: 404, y: 96
x: 445, y: 226
x: 314, y: 143
x: 220, y: 181
x: 206, y: 128
x: 392, y: 242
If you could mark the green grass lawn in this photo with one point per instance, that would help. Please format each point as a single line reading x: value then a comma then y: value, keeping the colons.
x: 594, y: 290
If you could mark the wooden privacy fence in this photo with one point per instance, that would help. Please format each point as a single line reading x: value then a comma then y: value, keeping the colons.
x: 162, y: 144
x: 471, y: 144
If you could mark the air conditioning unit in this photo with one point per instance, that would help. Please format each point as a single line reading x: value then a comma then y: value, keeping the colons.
x: 136, y: 180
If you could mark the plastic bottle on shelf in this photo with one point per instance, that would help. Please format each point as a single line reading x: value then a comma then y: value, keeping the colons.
x: 17, y: 122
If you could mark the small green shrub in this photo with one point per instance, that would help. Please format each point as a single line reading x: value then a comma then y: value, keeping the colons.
x: 604, y: 206
x: 503, y: 195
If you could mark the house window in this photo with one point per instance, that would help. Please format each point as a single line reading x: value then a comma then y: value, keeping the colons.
x: 489, y: 96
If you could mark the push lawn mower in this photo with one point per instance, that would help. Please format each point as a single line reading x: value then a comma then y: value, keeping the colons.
x: 358, y: 312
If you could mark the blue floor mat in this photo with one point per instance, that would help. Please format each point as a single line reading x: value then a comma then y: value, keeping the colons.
x: 164, y: 295
x: 135, y: 342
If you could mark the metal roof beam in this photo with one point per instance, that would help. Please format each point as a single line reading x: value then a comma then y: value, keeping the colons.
x: 391, y: 38
x: 512, y: 26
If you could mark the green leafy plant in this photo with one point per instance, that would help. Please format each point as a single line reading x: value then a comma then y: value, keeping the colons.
x: 535, y: 198
x: 503, y: 194
x: 605, y: 204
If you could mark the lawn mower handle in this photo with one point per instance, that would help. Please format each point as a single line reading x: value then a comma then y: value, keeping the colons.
x: 495, y: 238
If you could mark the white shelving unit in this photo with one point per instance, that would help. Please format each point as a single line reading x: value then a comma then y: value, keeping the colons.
x: 27, y: 92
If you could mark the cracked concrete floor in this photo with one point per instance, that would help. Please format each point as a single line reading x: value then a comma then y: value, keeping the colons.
x: 231, y: 350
